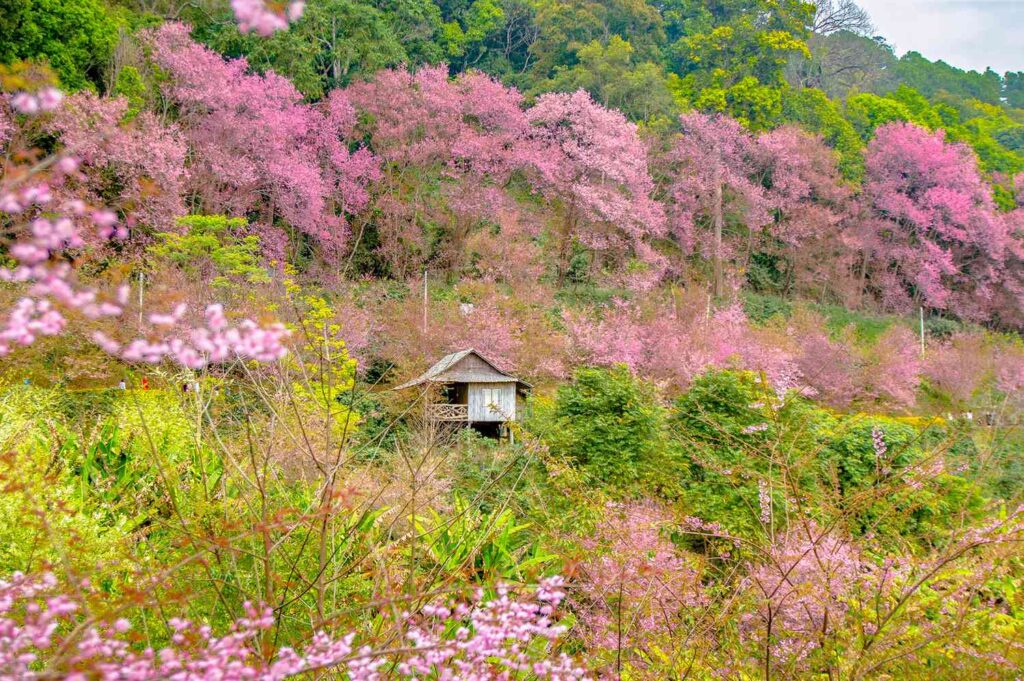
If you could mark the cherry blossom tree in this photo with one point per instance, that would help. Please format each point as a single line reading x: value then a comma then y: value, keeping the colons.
x: 591, y: 163
x: 257, y: 148
x: 674, y: 344
x: 467, y: 132
x: 635, y: 584
x: 813, y: 210
x: 46, y: 227
x: 717, y: 177
x: 140, y: 161
x: 959, y: 366
x: 940, y: 241
x: 424, y: 118
x: 804, y: 585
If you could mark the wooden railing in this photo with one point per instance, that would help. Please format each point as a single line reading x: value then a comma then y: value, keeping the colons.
x: 448, y: 412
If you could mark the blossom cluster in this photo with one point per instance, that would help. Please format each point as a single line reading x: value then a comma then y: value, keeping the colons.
x: 47, y: 99
x: 493, y: 642
x: 50, y: 225
x: 492, y: 638
x: 635, y: 584
x: 256, y: 16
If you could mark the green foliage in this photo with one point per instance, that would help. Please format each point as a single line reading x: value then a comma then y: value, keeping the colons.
x: 460, y: 38
x: 334, y: 42
x: 867, y: 111
x: 610, y: 423
x: 326, y: 373
x: 761, y: 308
x: 213, y: 246
x: 866, y: 326
x: 76, y: 37
x: 812, y: 110
x: 852, y: 454
x: 718, y: 421
x: 941, y: 327
x: 482, y: 547
x: 84, y: 488
x: 933, y: 77
x: 924, y: 497
x: 130, y: 85
x: 731, y: 54
x: 766, y: 273
x: 739, y: 436
x: 578, y: 271
x: 613, y: 77
x: 1013, y: 89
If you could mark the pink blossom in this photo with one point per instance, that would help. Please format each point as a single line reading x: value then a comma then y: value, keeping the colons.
x: 143, y: 157
x: 592, y: 160
x: 257, y: 146
x: 634, y: 583
x: 803, y: 587
x: 505, y: 635
x: 940, y: 235
x: 257, y: 17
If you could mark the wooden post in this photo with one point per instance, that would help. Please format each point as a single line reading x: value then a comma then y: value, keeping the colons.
x: 921, y: 309
x: 424, y: 301
x: 142, y: 284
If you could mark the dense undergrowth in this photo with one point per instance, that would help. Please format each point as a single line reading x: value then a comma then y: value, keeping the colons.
x: 730, y: 527
x: 771, y: 315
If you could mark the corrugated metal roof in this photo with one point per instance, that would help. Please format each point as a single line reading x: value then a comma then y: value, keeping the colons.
x: 446, y: 370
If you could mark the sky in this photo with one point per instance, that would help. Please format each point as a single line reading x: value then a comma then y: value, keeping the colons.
x: 970, y: 34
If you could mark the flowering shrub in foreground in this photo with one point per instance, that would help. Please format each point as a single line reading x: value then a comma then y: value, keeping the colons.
x: 635, y: 585
x: 39, y: 639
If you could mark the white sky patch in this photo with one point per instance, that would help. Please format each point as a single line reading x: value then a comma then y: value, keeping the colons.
x: 969, y: 34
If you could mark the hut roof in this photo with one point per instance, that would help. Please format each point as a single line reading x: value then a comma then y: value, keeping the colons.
x: 454, y: 369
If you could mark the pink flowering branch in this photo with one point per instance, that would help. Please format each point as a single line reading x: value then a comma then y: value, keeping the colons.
x: 48, y: 231
x: 492, y: 639
x: 263, y: 18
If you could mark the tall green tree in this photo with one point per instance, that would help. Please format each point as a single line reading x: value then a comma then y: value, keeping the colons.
x: 336, y: 41
x: 612, y: 76
x: 931, y: 77
x: 732, y: 54
x: 612, y: 424
x: 76, y: 37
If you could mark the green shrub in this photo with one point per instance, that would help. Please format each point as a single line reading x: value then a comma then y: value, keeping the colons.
x: 760, y: 308
x: 740, y: 435
x: 724, y: 424
x: 941, y: 327
x: 851, y: 451
x: 613, y: 426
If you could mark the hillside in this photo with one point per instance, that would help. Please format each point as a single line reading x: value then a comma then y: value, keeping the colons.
x: 752, y: 285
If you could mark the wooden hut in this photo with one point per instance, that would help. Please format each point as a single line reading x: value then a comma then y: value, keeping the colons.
x: 470, y: 389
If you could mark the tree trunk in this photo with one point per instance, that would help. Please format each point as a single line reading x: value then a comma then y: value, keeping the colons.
x: 863, y: 279
x: 565, y: 244
x: 719, y: 221
x: 335, y: 59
